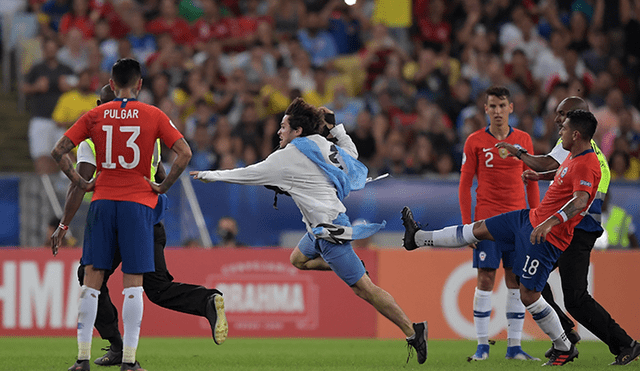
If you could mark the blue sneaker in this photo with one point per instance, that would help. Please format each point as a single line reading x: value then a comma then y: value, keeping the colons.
x: 516, y: 352
x: 481, y: 353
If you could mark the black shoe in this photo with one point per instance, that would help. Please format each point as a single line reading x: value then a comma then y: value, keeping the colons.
x: 111, y: 358
x: 83, y: 365
x: 627, y: 355
x: 572, y: 336
x: 419, y: 342
x: 214, y: 312
x: 410, y: 229
x: 560, y: 357
x: 131, y: 367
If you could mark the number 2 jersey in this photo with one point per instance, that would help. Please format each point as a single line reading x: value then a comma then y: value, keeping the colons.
x: 124, y: 132
x: 500, y: 187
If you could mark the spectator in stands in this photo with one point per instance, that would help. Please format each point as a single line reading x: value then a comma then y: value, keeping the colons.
x: 201, y: 145
x: 169, y: 22
x: 74, y: 103
x: 53, y: 11
x: 345, y: 108
x: 596, y: 57
x: 143, y: 43
x: 190, y: 91
x: 316, y: 40
x: 423, y: 157
x: 227, y: 232
x: 80, y: 17
x: 288, y: 16
x: 623, y: 166
x: 44, y: 84
x: 346, y: 23
x: 75, y: 52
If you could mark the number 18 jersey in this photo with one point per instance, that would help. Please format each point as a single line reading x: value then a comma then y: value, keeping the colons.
x: 124, y: 132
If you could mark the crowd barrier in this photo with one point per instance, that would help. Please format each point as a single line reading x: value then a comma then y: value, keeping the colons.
x: 267, y: 297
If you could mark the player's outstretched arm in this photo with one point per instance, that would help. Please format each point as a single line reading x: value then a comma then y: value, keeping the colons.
x: 181, y: 148
x: 71, y: 205
x: 535, y: 162
x: 64, y: 146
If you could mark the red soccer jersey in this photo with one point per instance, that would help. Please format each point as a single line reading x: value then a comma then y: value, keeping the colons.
x: 124, y: 133
x: 500, y: 188
x: 580, y: 173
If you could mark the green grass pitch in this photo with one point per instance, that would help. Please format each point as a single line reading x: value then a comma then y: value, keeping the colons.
x: 160, y: 354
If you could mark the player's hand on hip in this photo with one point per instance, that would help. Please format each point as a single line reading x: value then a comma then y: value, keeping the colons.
x: 85, y: 185
x: 56, y: 239
x: 473, y: 246
x: 157, y: 188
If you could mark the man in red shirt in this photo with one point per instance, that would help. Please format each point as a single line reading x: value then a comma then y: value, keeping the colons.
x: 124, y: 133
x: 499, y: 190
x: 539, y: 235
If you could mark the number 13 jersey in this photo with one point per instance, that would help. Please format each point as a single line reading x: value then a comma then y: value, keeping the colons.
x: 124, y: 132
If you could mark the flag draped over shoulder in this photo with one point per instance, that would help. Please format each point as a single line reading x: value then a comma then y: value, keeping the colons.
x: 347, y: 174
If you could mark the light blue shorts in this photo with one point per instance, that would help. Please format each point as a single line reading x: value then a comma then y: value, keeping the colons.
x: 341, y: 258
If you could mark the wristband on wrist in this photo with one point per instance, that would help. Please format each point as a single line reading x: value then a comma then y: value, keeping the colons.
x: 63, y: 227
x: 561, y: 215
x: 520, y: 151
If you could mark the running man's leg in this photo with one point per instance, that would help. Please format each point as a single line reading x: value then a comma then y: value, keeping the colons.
x: 574, y: 268
x: 163, y: 291
x: 306, y: 256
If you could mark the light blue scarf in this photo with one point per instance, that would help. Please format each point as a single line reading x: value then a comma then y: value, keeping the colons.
x: 347, y: 174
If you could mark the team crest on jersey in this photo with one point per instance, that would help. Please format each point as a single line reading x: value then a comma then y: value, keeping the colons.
x: 503, y: 152
x: 482, y: 256
x: 564, y: 172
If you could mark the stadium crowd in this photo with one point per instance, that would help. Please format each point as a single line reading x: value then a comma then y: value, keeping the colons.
x: 407, y: 78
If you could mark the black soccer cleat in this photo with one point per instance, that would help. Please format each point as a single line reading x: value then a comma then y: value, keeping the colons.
x: 561, y: 357
x: 410, y: 229
x: 572, y: 336
x: 83, y: 365
x: 111, y: 358
x: 419, y: 342
x: 132, y: 367
x: 217, y: 319
x: 627, y: 355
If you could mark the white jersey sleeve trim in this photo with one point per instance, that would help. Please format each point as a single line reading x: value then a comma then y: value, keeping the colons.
x: 85, y: 154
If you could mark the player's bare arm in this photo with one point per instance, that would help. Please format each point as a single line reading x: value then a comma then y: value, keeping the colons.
x: 64, y: 146
x: 71, y: 205
x: 534, y: 176
x: 181, y: 148
x: 569, y: 210
x: 540, y: 163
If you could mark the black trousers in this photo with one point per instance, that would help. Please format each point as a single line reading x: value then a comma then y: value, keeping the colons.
x: 573, y: 266
x: 159, y: 287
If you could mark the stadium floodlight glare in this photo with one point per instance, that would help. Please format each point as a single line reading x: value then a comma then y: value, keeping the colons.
x: 350, y: 2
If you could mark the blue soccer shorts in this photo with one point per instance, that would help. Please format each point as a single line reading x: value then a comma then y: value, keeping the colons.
x: 340, y: 257
x: 488, y: 254
x: 532, y: 263
x: 119, y: 224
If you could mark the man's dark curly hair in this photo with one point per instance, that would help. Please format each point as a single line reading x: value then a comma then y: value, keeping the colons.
x: 584, y: 122
x: 303, y: 115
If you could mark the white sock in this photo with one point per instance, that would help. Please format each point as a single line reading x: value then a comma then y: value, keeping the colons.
x: 87, y: 311
x: 453, y: 236
x: 132, y: 309
x: 515, y: 317
x: 482, y: 314
x: 547, y: 319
